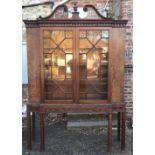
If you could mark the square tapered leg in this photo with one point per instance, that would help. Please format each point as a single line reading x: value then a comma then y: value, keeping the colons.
x: 109, y: 132
x: 33, y: 125
x: 42, y: 136
x: 119, y: 118
x: 29, y: 138
x: 123, y: 131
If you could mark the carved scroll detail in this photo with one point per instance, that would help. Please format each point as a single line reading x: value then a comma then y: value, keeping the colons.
x: 62, y: 12
x: 52, y: 15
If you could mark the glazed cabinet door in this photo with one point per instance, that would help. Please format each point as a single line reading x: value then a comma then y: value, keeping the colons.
x: 58, y: 53
x: 93, y: 51
x: 75, y: 65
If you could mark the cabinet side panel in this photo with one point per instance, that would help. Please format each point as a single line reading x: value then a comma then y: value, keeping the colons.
x: 33, y: 51
x: 116, y: 65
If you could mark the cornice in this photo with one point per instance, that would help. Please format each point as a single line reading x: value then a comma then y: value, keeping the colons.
x: 75, y: 23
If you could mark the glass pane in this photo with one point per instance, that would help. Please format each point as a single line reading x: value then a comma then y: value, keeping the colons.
x: 84, y: 43
x: 104, y: 58
x: 105, y: 50
x: 105, y: 34
x: 93, y: 64
x: 58, y: 49
x: 83, y: 63
x: 93, y: 60
x: 67, y: 43
x: 47, y: 59
x: 83, y: 71
x: 48, y: 43
x: 46, y: 34
x: 68, y: 51
x: 82, y: 34
x: 48, y: 50
x: 83, y: 58
x: 103, y: 44
x: 48, y: 70
x: 58, y: 36
x: 69, y: 34
x: 69, y: 58
x: 58, y: 64
x: 84, y: 50
x: 93, y: 36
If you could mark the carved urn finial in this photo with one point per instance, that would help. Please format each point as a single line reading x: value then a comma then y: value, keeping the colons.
x: 75, y: 10
x: 75, y: 6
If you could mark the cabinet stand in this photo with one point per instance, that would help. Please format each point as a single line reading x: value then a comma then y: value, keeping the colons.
x: 41, y: 109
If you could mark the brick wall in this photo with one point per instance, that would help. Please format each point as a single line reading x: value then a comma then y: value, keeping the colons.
x: 126, y: 13
x: 123, y: 11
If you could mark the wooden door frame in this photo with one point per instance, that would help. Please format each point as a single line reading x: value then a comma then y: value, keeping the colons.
x: 80, y: 101
x: 42, y: 65
x: 75, y: 74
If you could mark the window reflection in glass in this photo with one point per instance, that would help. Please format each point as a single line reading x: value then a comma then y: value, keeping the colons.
x: 57, y: 36
x: 84, y: 50
x: 83, y: 70
x: 93, y: 60
x: 93, y: 36
x: 47, y: 34
x: 103, y: 44
x: 84, y: 43
x: 83, y: 58
x: 47, y: 59
x: 69, y: 34
x: 58, y: 55
x: 48, y: 43
x: 58, y: 64
x: 93, y: 64
x: 49, y: 51
x: 68, y: 51
x: 104, y: 59
x: 48, y: 70
x: 69, y: 58
x: 66, y: 44
x: 105, y: 34
x: 82, y: 34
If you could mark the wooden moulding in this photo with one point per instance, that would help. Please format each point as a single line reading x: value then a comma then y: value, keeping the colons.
x: 75, y: 22
x: 78, y: 108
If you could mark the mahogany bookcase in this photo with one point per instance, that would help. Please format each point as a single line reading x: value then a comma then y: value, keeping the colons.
x: 75, y: 64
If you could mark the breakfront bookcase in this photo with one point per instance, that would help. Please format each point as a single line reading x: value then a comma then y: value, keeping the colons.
x: 75, y: 64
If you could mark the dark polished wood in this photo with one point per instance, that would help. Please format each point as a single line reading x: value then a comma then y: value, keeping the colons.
x: 114, y: 68
x: 29, y: 136
x: 33, y: 125
x: 37, y: 4
x: 118, y: 126
x: 123, y: 131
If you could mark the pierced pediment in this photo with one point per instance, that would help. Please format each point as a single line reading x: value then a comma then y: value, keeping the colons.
x: 64, y: 12
x: 75, y: 16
